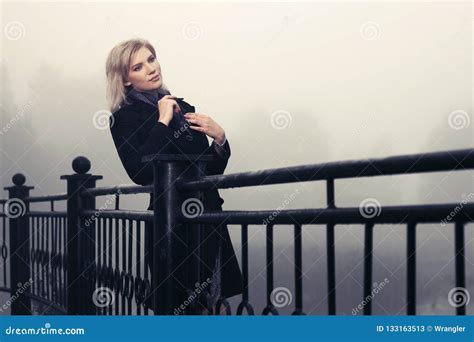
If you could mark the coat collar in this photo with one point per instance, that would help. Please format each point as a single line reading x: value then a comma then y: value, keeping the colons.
x: 144, y: 108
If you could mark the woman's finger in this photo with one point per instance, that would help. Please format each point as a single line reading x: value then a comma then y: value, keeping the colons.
x: 201, y: 115
x: 194, y: 121
x: 196, y: 115
x: 192, y: 116
x: 198, y: 128
x: 175, y: 105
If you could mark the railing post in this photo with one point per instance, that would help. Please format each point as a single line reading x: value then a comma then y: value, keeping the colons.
x: 411, y: 268
x: 459, y: 263
x: 20, y: 266
x: 80, y: 245
x: 167, y: 217
x: 164, y: 222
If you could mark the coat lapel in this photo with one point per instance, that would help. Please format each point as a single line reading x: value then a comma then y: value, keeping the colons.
x: 145, y: 110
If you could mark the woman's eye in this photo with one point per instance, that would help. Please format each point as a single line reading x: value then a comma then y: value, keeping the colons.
x: 137, y: 68
x: 152, y: 59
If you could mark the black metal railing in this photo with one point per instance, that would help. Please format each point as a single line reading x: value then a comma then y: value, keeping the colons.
x: 88, y: 260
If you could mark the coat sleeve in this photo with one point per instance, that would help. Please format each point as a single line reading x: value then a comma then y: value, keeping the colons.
x: 222, y: 156
x: 124, y: 128
x: 217, y: 167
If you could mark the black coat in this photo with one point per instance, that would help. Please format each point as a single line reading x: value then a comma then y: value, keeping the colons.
x: 137, y: 133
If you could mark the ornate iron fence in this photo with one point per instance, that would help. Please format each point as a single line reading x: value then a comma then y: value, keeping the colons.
x: 89, y: 260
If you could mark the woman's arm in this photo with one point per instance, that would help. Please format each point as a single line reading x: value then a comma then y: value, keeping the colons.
x: 124, y: 128
x: 222, y: 154
x: 205, y: 124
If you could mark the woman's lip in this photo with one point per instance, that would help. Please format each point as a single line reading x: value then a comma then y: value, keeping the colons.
x: 154, y: 79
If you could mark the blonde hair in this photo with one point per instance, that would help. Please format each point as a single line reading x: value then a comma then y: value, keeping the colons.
x: 117, y: 68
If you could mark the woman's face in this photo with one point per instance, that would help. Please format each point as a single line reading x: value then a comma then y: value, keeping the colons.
x: 144, y: 72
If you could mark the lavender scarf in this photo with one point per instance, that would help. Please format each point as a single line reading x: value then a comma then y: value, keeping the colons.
x: 152, y: 97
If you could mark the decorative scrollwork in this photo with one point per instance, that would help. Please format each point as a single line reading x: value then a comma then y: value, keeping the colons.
x: 4, y: 251
x: 32, y: 255
x: 270, y: 309
x: 140, y: 288
x: 128, y: 293
x: 223, y: 303
x: 247, y: 306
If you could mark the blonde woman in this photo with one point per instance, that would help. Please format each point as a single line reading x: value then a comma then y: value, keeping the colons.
x: 147, y: 119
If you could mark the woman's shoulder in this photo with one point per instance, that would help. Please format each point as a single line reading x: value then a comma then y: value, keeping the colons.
x: 126, y: 107
x: 126, y: 111
x: 125, y: 115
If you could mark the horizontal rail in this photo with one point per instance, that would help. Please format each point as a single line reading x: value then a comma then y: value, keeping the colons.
x: 46, y: 198
x: 118, y: 189
x: 405, y: 164
x: 158, y: 157
x: 5, y: 289
x: 46, y: 213
x: 119, y: 214
x: 433, y: 213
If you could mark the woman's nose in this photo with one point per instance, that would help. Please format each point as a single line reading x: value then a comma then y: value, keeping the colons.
x: 150, y: 69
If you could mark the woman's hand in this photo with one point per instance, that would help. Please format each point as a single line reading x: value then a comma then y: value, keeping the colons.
x: 166, y: 107
x: 204, y: 123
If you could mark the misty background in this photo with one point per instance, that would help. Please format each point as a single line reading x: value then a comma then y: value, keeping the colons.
x: 291, y: 84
